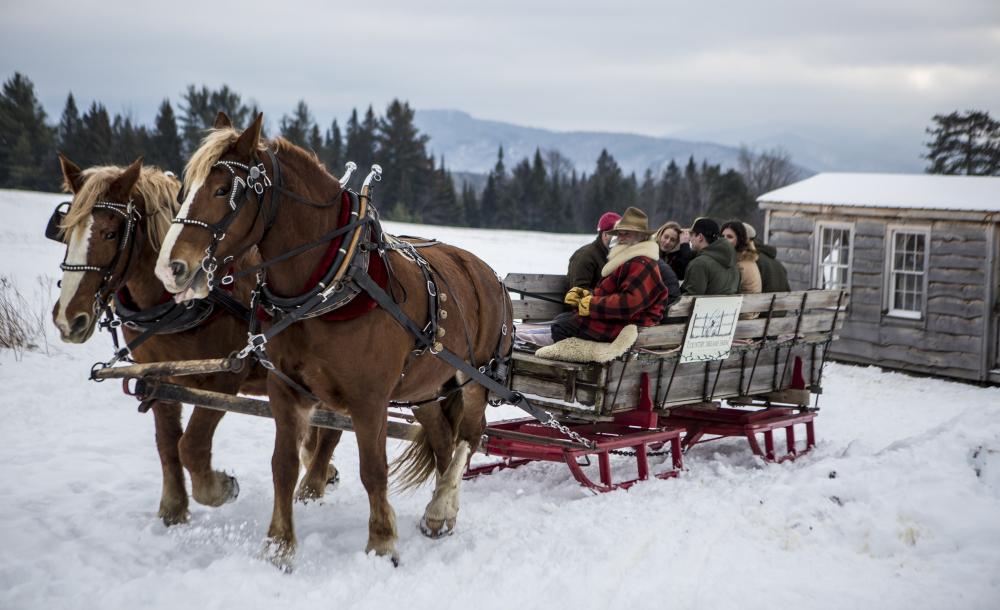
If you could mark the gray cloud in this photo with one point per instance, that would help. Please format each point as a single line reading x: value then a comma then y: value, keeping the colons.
x: 845, y: 75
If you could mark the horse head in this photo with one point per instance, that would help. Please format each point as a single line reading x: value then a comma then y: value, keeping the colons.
x: 99, y: 228
x: 224, y: 189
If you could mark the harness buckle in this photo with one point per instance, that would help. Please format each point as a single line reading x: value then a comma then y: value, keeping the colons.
x: 431, y: 288
x: 254, y: 343
x: 114, y: 323
x: 227, y: 280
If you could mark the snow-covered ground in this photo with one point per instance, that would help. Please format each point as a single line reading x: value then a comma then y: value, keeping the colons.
x: 887, y: 512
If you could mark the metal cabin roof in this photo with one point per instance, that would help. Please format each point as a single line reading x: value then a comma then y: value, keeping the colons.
x: 897, y: 191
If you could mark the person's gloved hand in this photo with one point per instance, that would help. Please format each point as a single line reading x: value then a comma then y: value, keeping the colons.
x: 574, y: 295
x: 584, y: 305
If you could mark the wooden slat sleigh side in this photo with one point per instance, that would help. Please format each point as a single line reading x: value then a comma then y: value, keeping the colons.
x: 761, y: 369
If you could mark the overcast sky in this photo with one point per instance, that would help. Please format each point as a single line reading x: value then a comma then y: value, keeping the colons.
x: 848, y: 75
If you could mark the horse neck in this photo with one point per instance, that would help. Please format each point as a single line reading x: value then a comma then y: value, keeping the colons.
x: 144, y: 287
x: 296, y: 224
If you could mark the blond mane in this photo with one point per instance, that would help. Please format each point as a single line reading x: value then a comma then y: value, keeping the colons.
x: 213, y: 146
x: 158, y: 190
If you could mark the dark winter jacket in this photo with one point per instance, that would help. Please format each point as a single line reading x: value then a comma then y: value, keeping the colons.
x: 586, y: 263
x: 679, y: 259
x: 713, y: 271
x: 773, y: 276
x: 671, y: 282
x: 631, y: 294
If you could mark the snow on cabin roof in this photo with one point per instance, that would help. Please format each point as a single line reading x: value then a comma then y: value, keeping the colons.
x: 915, y: 191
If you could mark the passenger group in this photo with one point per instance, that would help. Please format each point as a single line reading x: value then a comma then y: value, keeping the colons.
x: 631, y: 274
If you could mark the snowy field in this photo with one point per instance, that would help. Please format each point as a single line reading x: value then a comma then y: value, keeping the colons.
x: 887, y: 512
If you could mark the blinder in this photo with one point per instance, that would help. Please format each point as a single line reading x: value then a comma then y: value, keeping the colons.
x: 54, y: 230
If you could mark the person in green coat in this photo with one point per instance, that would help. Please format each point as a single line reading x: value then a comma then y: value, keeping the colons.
x: 773, y: 275
x: 713, y: 270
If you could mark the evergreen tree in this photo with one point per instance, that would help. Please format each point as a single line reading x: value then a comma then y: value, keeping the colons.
x: 668, y: 195
x: 98, y: 137
x: 164, y: 148
x: 333, y: 149
x: 519, y: 211
x: 967, y: 143
x: 604, y: 191
x: 298, y: 127
x: 488, y: 204
x: 70, y: 126
x: 200, y: 107
x: 27, y: 143
x: 495, y: 194
x: 730, y: 198
x: 646, y: 199
x: 407, y: 182
x: 127, y: 141
x: 470, y: 203
x: 444, y: 207
x: 540, y: 196
x: 360, y: 142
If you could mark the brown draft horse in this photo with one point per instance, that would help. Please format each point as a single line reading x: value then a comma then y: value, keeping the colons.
x: 96, y: 237
x: 356, y: 366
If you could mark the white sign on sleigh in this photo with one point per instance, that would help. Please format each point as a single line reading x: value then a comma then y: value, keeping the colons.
x: 711, y: 329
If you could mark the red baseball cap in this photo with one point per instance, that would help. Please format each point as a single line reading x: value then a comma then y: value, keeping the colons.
x: 607, y: 221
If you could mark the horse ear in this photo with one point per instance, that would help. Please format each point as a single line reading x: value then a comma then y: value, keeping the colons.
x: 222, y: 121
x: 72, y: 174
x: 247, y: 142
x: 121, y: 188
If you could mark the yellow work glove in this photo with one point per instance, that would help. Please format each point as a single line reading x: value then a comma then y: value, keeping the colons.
x: 574, y: 295
x: 584, y: 305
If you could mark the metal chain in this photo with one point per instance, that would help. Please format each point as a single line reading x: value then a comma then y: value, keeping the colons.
x: 554, y: 424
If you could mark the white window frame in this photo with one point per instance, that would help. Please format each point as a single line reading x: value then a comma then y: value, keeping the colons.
x: 817, y: 267
x: 890, y: 264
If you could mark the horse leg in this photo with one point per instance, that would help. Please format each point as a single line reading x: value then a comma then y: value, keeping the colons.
x: 370, y: 429
x: 209, y: 487
x: 317, y: 454
x: 442, y: 511
x: 279, y: 547
x: 174, y: 499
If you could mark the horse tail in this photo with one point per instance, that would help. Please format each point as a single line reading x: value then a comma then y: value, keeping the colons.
x: 418, y: 462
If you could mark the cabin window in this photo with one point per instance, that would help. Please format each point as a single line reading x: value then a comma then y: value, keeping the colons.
x: 833, y: 256
x: 907, y: 291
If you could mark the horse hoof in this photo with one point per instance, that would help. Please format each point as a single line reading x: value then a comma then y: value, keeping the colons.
x: 279, y: 554
x: 174, y: 517
x: 437, y: 528
x: 234, y: 490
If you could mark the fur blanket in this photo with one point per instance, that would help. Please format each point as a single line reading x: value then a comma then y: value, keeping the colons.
x: 581, y: 350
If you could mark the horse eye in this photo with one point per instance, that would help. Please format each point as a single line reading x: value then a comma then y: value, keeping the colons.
x: 110, y: 235
x: 221, y: 191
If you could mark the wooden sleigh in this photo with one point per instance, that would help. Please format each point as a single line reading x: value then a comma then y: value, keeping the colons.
x: 643, y: 404
x: 648, y: 402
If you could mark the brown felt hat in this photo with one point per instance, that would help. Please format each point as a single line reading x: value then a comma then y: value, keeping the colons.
x: 634, y: 220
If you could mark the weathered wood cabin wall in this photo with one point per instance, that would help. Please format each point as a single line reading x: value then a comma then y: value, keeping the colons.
x: 956, y: 336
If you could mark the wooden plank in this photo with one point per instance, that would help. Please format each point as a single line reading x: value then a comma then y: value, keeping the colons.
x: 962, y: 291
x: 586, y: 395
x: 957, y: 276
x: 673, y: 334
x: 955, y: 306
x: 786, y: 301
x: 864, y: 312
x: 171, y: 369
x: 869, y: 280
x: 796, y: 222
x: 538, y: 282
x: 956, y: 261
x: 958, y: 247
x: 261, y: 408
x: 955, y: 325
x: 874, y: 242
x: 868, y: 228
x: 967, y: 232
x: 785, y: 240
x: 891, y: 335
x: 534, y: 310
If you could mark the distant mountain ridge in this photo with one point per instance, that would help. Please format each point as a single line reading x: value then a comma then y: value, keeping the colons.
x: 470, y: 145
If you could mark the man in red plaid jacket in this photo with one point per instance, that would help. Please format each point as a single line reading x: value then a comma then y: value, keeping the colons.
x: 631, y: 290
